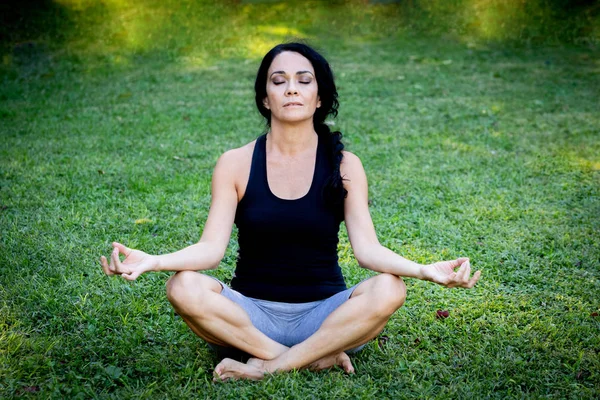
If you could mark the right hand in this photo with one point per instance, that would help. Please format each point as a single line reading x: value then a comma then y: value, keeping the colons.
x: 136, y: 262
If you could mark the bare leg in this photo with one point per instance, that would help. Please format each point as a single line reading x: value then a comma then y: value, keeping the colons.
x: 216, y: 319
x: 355, y: 322
x: 197, y: 299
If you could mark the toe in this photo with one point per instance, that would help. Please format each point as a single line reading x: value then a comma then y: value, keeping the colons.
x: 347, y: 366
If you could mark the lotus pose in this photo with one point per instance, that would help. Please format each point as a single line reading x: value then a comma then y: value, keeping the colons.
x: 287, y: 306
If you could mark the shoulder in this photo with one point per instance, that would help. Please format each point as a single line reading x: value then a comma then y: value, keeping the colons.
x: 350, y: 158
x: 350, y: 163
x: 237, y: 157
x: 233, y: 168
x: 235, y: 162
x: 352, y: 172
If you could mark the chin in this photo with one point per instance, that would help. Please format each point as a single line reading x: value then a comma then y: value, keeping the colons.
x: 294, y: 117
x: 294, y: 120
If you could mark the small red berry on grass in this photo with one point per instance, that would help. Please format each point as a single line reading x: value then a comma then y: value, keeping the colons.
x: 442, y: 314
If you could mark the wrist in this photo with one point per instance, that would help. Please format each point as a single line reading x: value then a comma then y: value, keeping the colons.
x: 422, y: 273
x: 156, y: 263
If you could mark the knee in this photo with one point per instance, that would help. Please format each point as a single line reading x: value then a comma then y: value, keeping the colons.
x: 390, y: 293
x: 188, y: 287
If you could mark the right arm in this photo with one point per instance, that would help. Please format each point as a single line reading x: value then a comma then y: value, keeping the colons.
x: 208, y: 252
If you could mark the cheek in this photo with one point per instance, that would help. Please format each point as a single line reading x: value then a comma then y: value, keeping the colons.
x: 314, y: 94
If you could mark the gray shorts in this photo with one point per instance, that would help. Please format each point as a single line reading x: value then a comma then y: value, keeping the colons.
x: 285, y: 323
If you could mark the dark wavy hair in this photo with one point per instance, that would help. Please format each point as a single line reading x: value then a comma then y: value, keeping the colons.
x: 334, y: 191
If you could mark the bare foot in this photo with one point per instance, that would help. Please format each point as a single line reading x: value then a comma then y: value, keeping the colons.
x: 257, y: 362
x: 231, y: 369
x: 341, y: 360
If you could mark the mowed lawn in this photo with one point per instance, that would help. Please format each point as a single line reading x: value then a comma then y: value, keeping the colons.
x: 111, y: 124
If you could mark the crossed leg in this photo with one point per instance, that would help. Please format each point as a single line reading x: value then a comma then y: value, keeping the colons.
x: 218, y: 320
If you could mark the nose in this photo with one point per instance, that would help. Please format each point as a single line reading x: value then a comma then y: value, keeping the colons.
x: 291, y: 89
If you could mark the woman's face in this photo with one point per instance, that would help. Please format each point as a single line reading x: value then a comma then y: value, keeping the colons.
x: 292, y: 91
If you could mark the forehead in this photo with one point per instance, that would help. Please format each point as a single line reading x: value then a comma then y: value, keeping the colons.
x: 290, y: 62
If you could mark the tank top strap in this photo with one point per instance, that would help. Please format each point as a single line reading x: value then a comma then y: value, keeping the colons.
x: 321, y: 164
x: 257, y: 179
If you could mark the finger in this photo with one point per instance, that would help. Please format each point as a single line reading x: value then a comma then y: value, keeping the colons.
x: 105, y: 267
x: 122, y: 248
x: 450, y: 280
x: 119, y: 268
x: 474, y: 279
x: 131, y: 276
x: 467, y: 274
x: 462, y: 260
x: 460, y: 274
x: 112, y: 266
x: 454, y: 263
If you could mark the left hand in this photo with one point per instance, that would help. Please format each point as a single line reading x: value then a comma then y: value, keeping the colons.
x: 443, y: 273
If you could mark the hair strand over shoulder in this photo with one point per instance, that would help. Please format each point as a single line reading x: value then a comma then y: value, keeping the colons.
x: 334, y: 192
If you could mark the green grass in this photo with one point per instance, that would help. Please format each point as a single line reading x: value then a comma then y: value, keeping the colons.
x: 473, y: 146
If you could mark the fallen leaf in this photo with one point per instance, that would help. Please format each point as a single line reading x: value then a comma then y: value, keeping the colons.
x: 594, y: 314
x: 382, y: 340
x: 143, y: 221
x: 101, y: 172
x: 442, y: 314
x: 582, y: 375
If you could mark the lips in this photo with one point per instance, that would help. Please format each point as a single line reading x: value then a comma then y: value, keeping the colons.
x: 292, y: 103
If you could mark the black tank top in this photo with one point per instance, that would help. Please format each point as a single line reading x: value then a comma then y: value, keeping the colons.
x: 287, y: 248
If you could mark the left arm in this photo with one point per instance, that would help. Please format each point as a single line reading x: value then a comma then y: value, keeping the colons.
x: 372, y: 255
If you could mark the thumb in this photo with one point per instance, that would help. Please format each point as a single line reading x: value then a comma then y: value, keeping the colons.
x: 448, y: 279
x: 132, y: 276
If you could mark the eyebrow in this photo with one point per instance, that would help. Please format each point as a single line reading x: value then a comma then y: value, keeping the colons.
x: 297, y: 73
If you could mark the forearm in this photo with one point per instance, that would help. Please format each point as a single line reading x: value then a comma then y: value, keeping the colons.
x: 197, y: 257
x: 381, y: 259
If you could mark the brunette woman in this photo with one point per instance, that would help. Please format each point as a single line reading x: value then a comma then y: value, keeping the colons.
x: 288, y: 191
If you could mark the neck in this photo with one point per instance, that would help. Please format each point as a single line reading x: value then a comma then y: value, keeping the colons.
x: 291, y: 139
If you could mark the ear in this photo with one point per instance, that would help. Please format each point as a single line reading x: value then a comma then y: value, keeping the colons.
x: 266, y: 103
x: 318, y: 102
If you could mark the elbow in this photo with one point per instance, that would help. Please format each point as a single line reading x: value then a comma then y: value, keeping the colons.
x: 362, y: 258
x: 208, y: 256
x: 216, y: 259
x: 367, y: 255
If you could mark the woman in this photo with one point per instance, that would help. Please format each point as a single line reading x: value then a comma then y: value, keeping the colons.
x: 287, y: 192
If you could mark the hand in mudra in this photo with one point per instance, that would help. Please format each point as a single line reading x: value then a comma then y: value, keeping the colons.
x: 136, y: 262
x: 443, y: 273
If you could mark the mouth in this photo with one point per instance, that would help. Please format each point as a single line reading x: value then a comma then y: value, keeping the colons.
x: 292, y: 104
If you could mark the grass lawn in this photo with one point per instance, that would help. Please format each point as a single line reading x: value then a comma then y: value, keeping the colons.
x: 112, y: 119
